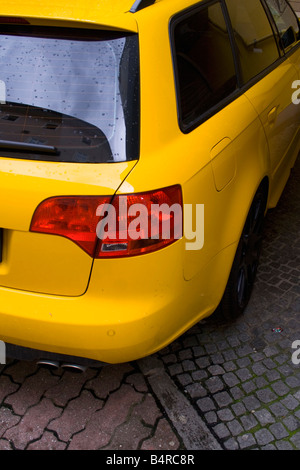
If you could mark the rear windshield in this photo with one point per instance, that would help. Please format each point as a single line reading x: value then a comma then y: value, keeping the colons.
x: 68, y: 95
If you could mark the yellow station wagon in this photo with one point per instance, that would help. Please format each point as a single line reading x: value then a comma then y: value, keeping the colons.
x: 141, y: 144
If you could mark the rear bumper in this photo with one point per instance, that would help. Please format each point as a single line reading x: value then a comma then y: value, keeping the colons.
x: 132, y: 308
x: 126, y: 313
x: 74, y: 326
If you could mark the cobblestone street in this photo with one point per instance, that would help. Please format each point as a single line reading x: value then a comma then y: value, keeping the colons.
x: 220, y: 386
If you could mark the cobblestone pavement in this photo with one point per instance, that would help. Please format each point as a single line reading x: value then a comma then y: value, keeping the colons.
x: 227, y: 386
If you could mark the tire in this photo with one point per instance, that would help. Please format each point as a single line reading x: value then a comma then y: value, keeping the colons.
x: 243, y: 272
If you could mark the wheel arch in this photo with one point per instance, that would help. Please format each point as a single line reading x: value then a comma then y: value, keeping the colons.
x: 243, y: 270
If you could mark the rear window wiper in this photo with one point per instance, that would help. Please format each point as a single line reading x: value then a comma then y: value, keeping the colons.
x: 27, y: 147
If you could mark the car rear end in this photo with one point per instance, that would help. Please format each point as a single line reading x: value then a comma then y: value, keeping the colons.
x: 69, y: 137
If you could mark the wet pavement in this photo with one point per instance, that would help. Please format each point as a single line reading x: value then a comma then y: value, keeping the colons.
x: 220, y: 386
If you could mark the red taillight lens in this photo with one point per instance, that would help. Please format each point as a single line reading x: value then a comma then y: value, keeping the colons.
x: 128, y: 225
x: 71, y: 217
x: 145, y: 222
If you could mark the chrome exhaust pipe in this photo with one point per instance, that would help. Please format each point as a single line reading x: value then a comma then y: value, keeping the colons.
x: 65, y: 365
x: 48, y: 363
x: 73, y: 367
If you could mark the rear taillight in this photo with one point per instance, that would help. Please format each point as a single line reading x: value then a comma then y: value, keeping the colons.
x: 71, y: 217
x: 126, y: 225
x: 140, y: 223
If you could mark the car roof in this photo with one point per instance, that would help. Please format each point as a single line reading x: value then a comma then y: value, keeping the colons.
x: 112, y: 13
x: 109, y: 14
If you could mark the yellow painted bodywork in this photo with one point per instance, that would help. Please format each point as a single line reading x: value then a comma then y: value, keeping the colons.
x: 116, y: 310
x: 39, y: 262
x: 105, y: 13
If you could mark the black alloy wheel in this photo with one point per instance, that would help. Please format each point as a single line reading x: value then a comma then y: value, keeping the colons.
x: 242, y: 277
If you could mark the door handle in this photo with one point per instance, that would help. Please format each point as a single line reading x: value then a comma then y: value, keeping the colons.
x: 272, y: 115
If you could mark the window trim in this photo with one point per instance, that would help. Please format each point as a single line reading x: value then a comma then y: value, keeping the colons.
x: 174, y: 21
x: 273, y: 27
x: 284, y: 52
x: 242, y: 86
x: 270, y: 67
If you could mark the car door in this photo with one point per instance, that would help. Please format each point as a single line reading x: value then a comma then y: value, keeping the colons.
x: 269, y: 73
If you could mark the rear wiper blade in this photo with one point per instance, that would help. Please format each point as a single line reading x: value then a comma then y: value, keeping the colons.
x: 27, y: 147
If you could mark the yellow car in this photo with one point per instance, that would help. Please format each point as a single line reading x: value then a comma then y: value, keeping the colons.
x: 141, y: 143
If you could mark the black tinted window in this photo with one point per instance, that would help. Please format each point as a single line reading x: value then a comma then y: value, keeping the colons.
x: 286, y: 22
x: 254, y: 37
x: 68, y: 95
x: 204, y: 63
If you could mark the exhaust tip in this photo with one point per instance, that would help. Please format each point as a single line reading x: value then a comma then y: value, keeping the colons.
x: 73, y: 367
x: 48, y: 363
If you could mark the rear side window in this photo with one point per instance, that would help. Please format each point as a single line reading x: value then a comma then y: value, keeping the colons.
x: 67, y: 95
x: 286, y: 22
x: 254, y: 36
x: 204, y: 65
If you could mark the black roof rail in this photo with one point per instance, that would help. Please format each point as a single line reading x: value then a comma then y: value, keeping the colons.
x: 140, y: 4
